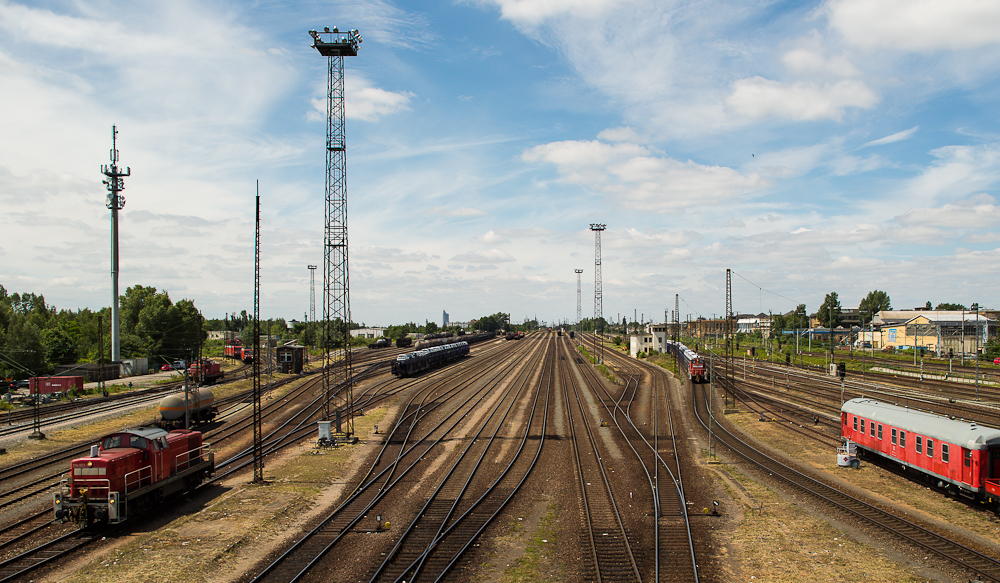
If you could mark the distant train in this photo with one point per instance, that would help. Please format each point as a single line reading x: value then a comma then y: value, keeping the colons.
x: 131, y: 471
x: 381, y: 343
x: 205, y: 371
x: 236, y: 350
x: 404, y: 342
x: 959, y: 457
x: 427, y: 358
x: 692, y: 363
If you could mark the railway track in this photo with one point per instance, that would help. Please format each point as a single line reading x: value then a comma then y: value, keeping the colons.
x: 960, y: 556
x: 402, y: 451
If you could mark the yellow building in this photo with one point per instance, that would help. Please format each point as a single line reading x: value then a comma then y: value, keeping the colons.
x: 939, y: 331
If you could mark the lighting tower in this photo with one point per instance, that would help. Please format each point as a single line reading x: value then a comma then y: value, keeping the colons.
x: 598, y: 295
x: 115, y: 202
x: 312, y: 293
x: 335, y: 45
x: 579, y: 315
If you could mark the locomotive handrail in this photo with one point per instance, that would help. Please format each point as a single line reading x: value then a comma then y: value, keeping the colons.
x: 191, y: 456
x: 137, y: 481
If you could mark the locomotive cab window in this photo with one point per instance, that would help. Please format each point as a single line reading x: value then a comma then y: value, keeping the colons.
x: 112, y: 442
x: 902, y: 439
x: 930, y: 448
x: 920, y: 444
x: 894, y: 436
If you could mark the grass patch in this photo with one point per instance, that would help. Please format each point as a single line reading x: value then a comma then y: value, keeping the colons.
x: 538, y: 562
x: 600, y: 367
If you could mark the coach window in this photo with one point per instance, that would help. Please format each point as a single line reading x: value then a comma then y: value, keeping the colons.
x: 968, y: 458
x: 871, y: 425
x: 920, y: 444
x: 902, y: 439
x: 944, y: 452
x: 894, y: 436
x: 880, y: 431
x: 855, y: 423
x: 930, y: 448
x: 862, y: 426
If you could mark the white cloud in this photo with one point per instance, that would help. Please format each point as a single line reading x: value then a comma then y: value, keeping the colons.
x: 462, y: 212
x: 973, y: 213
x: 363, y: 101
x: 534, y: 12
x: 805, y: 61
x: 629, y: 173
x: 491, y: 238
x: 760, y: 98
x: 622, y: 134
x: 916, y: 25
x: 484, y: 256
x: 892, y: 138
x: 958, y: 172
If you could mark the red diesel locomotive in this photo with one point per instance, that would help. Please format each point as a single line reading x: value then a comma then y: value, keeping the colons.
x: 131, y: 471
x: 960, y: 457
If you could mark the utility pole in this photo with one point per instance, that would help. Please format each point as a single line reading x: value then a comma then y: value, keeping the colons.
x: 337, y: 377
x: 116, y: 202
x: 729, y: 334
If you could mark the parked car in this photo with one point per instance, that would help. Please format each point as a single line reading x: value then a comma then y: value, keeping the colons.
x: 996, y: 360
x: 166, y: 367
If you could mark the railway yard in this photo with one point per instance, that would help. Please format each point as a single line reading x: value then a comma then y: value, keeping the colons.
x: 520, y: 462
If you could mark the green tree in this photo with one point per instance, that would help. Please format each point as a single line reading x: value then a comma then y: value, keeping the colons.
x: 430, y: 328
x: 947, y: 306
x: 830, y: 307
x: 874, y: 302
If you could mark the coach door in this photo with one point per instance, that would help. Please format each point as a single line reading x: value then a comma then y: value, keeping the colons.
x: 967, y: 463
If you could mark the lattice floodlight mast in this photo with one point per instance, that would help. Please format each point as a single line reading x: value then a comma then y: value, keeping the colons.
x: 258, y: 436
x: 598, y: 293
x: 312, y: 293
x: 335, y: 45
x: 115, y: 202
x: 579, y: 314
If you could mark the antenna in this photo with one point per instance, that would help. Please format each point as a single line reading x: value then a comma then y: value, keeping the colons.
x: 115, y: 202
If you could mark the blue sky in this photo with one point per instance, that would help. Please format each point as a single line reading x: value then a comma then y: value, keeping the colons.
x: 847, y: 146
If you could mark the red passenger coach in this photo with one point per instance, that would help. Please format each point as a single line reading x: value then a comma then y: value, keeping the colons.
x: 959, y: 457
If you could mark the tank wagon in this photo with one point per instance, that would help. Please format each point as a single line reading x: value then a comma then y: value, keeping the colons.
x: 959, y: 457
x: 692, y: 363
x: 427, y: 358
x: 131, y: 471
x: 200, y: 406
x: 380, y: 343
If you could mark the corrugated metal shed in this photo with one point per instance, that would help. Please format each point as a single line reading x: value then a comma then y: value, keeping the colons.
x: 964, y: 433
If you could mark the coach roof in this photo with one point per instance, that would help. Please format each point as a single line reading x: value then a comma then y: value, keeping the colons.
x: 967, y: 434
